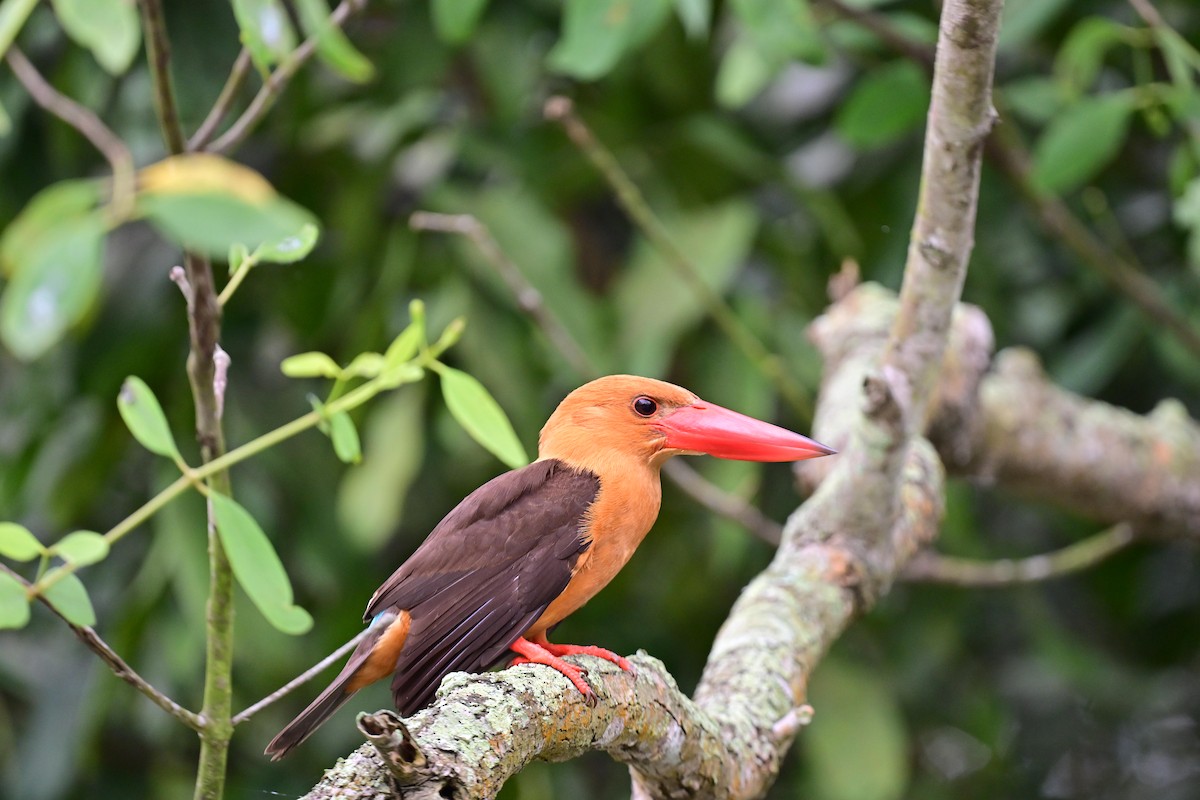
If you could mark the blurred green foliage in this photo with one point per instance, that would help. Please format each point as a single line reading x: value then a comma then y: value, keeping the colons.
x: 774, y: 139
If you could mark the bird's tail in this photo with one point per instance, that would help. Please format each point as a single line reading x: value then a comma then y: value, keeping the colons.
x: 375, y: 657
x: 311, y: 718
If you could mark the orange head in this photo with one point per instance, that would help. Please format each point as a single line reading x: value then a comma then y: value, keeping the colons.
x: 624, y: 419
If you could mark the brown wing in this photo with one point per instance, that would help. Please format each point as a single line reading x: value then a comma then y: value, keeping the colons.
x: 485, y: 574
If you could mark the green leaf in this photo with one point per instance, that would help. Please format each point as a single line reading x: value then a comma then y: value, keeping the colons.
x: 333, y: 47
x: 856, y: 747
x: 1187, y: 215
x: 743, y: 73
x: 310, y: 365
x: 14, y: 606
x: 345, y: 438
x: 289, y: 249
x: 266, y: 31
x: 13, y: 14
x: 481, y: 416
x: 1081, y: 141
x: 109, y: 28
x: 145, y: 418
x: 1023, y: 20
x: 364, y: 365
x: 53, y: 285
x: 1082, y: 54
x: 886, y: 104
x: 257, y: 567
x: 696, y: 17
x: 17, y: 543
x: 455, y: 20
x: 1035, y: 99
x: 371, y: 496
x: 70, y: 597
x: 596, y: 33
x: 782, y: 30
x: 82, y: 548
x: 208, y: 203
x: 42, y: 217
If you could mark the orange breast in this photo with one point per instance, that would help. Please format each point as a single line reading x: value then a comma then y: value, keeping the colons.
x: 623, y: 513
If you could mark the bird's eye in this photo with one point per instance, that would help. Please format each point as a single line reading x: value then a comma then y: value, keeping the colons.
x: 644, y: 406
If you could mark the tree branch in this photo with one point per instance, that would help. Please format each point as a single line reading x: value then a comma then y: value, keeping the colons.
x: 1005, y: 149
x: 277, y: 82
x: 1001, y: 422
x: 118, y: 665
x: 87, y: 123
x: 237, y: 76
x: 158, y: 54
x: 930, y: 567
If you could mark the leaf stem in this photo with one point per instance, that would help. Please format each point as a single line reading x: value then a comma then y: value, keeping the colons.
x: 236, y: 279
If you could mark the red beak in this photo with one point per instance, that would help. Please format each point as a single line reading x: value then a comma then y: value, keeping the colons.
x: 707, y: 428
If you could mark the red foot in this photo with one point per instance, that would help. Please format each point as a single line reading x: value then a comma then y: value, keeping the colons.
x: 531, y: 653
x: 587, y: 650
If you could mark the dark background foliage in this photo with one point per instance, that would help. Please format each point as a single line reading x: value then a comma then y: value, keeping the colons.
x: 769, y: 173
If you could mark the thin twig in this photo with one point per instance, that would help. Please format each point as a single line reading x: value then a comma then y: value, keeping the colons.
x: 726, y: 504
x: 930, y: 567
x: 299, y: 680
x: 237, y: 76
x: 562, y: 110
x: 278, y: 80
x: 158, y: 55
x: 1148, y: 13
x: 1005, y: 149
x: 524, y: 292
x: 530, y: 299
x: 87, y: 123
x: 119, y: 667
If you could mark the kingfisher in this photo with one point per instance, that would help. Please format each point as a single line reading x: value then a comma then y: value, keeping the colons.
x: 531, y: 546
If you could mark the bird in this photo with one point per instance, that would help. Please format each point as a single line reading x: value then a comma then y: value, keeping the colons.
x: 533, y: 545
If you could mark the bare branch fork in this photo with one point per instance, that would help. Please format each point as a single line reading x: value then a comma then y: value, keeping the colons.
x: 840, y: 550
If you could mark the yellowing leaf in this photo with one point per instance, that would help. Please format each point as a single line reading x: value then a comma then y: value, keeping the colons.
x: 198, y: 173
x: 208, y: 203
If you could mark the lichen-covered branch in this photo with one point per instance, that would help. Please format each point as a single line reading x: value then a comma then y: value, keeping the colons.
x: 1002, y: 422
